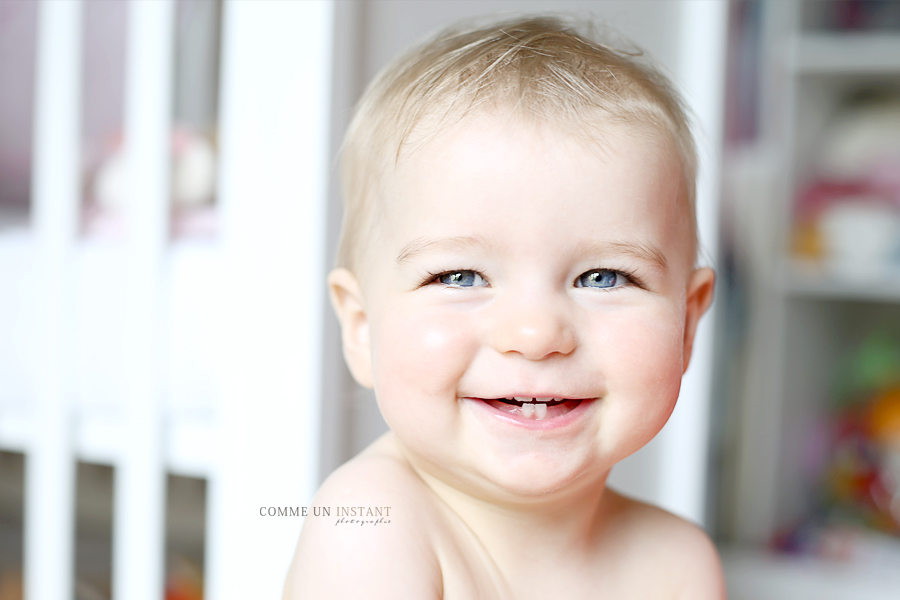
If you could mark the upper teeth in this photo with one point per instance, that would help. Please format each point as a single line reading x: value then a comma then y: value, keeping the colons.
x: 527, y: 399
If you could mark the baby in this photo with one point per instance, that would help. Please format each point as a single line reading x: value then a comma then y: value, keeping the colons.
x: 517, y: 282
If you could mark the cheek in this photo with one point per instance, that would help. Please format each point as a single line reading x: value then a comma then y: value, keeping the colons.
x: 419, y: 355
x: 644, y: 359
x: 644, y: 345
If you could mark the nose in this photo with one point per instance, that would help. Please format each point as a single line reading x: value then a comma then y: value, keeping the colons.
x: 534, y: 330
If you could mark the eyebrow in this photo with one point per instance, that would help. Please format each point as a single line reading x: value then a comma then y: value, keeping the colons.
x: 643, y: 252
x: 420, y: 245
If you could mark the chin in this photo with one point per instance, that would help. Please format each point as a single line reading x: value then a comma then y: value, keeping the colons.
x: 537, y: 480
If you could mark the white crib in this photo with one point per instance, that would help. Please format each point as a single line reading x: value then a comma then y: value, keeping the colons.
x: 199, y: 358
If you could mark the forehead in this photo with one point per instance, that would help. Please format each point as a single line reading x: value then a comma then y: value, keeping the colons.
x: 503, y: 171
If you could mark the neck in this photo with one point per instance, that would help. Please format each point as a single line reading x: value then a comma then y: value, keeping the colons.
x: 563, y: 524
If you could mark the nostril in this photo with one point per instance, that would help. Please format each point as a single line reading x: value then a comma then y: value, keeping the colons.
x: 535, y: 336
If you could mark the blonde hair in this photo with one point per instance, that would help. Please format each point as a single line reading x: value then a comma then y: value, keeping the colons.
x: 541, y: 66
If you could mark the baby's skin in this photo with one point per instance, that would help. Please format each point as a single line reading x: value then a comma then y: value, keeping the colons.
x: 525, y: 311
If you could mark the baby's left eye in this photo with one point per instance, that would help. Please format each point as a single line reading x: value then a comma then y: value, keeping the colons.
x: 601, y: 279
x: 464, y: 278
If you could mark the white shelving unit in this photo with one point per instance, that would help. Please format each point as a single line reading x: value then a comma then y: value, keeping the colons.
x: 802, y: 316
x: 846, y: 53
x: 804, y: 279
x: 757, y: 576
x: 197, y: 358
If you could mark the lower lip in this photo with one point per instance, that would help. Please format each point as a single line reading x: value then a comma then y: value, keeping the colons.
x: 544, y: 424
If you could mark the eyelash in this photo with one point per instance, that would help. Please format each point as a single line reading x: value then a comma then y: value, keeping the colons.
x: 629, y: 277
x: 433, y: 277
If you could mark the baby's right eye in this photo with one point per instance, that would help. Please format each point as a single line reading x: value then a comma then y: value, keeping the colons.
x: 464, y: 278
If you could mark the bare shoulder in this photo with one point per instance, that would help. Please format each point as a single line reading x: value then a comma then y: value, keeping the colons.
x: 367, y: 534
x: 672, y: 551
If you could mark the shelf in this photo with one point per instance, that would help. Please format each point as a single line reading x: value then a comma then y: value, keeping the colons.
x: 814, y: 280
x: 846, y: 53
x: 756, y: 575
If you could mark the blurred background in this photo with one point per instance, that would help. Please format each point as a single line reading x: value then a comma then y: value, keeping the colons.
x: 170, y: 371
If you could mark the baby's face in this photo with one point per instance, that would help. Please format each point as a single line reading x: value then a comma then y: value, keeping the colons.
x: 514, y: 262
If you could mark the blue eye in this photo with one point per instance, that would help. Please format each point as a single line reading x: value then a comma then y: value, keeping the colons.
x: 464, y: 278
x: 601, y: 279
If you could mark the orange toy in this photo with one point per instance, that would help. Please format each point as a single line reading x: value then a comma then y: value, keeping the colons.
x: 884, y: 418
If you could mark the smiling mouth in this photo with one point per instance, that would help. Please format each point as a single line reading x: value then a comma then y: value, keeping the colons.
x: 533, y: 408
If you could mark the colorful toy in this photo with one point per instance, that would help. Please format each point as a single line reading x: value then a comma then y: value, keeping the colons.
x: 858, y: 495
x: 184, y: 581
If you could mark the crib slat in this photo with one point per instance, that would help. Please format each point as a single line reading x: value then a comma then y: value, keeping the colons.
x: 139, y: 518
x: 273, y: 195
x: 49, y: 496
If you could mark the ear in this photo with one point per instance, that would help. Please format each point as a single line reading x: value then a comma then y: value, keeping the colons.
x: 347, y: 300
x: 699, y: 297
